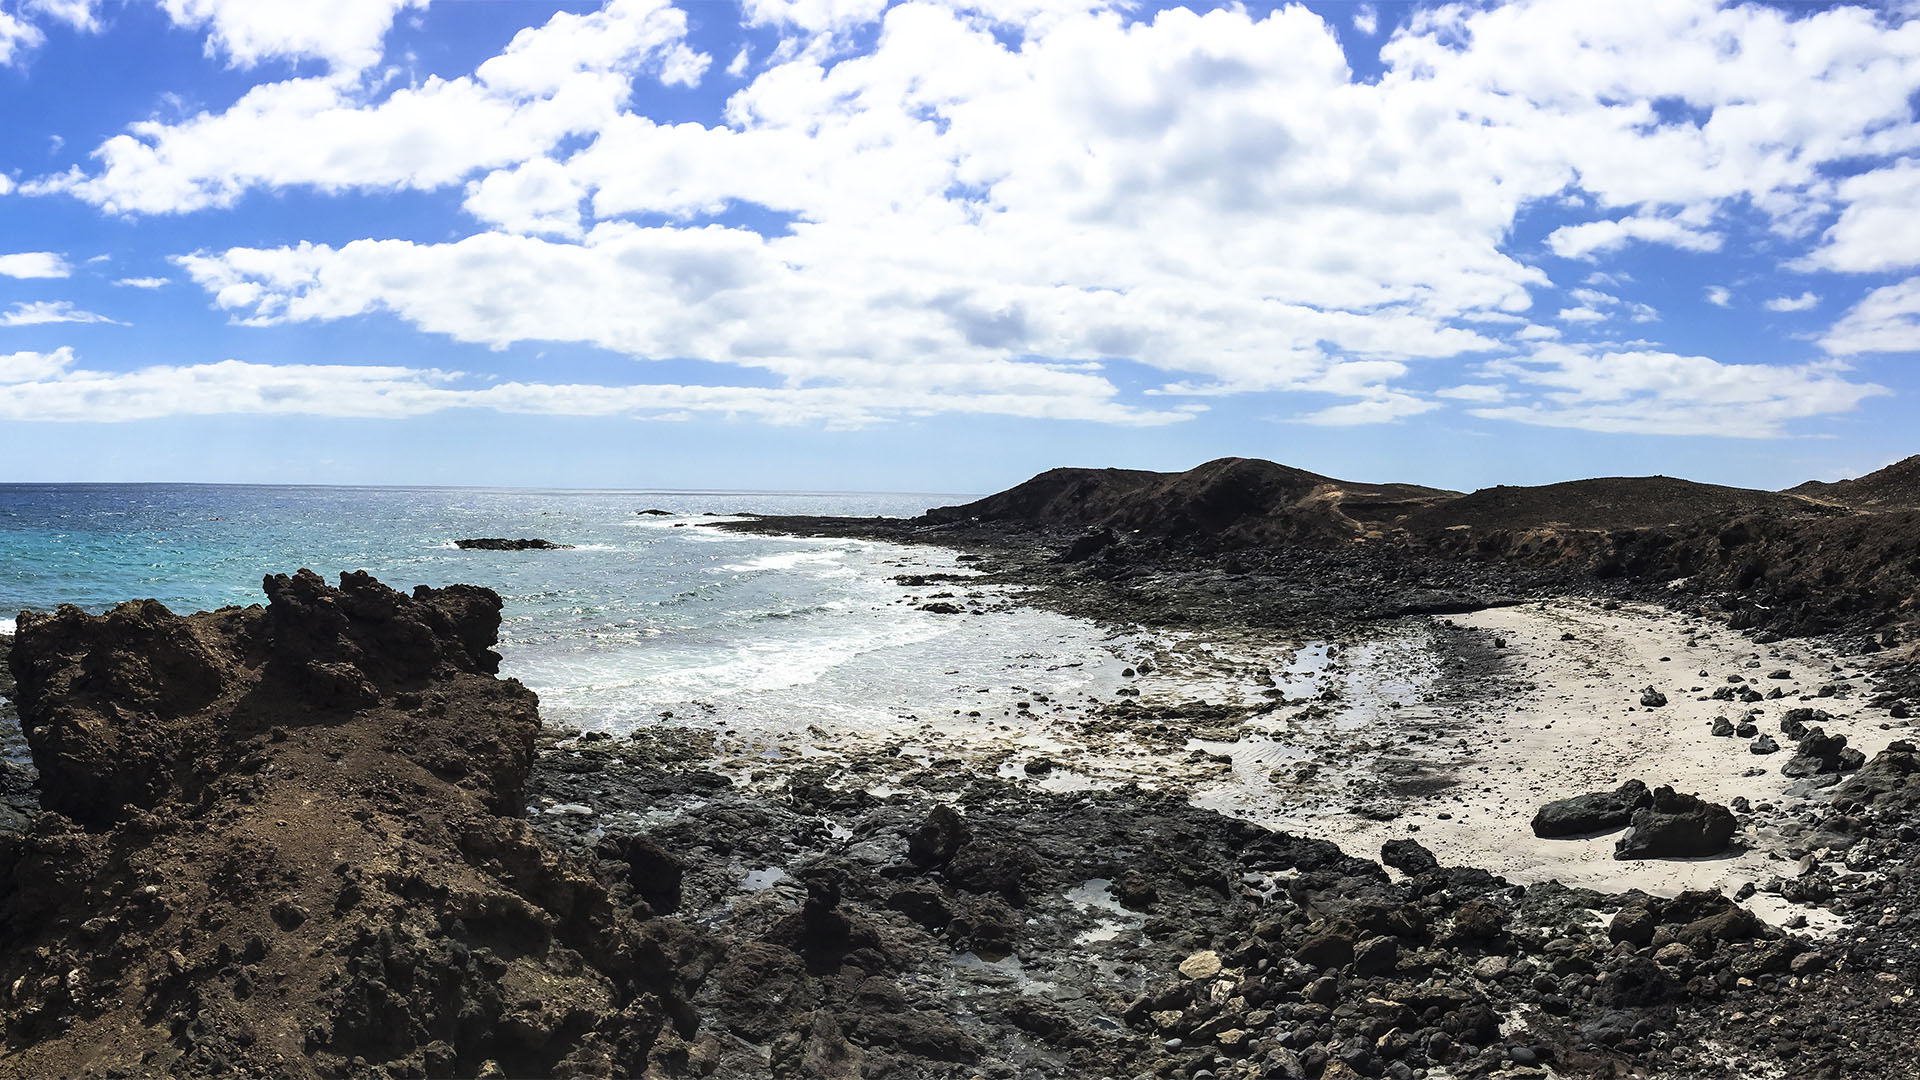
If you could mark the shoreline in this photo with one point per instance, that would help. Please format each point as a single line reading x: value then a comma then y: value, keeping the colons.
x: 1072, y: 905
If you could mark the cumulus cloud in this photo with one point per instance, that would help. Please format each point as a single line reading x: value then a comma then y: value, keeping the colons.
x: 41, y: 312
x: 1879, y: 229
x: 1804, y: 302
x: 142, y: 282
x: 1651, y: 392
x: 1587, y: 239
x: 1719, y: 296
x: 345, y: 34
x: 1366, y: 19
x: 567, y: 78
x: 17, y: 37
x: 34, y: 264
x: 1886, y: 320
x: 1006, y: 196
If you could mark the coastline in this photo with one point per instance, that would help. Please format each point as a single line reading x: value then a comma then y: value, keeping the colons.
x: 1072, y: 906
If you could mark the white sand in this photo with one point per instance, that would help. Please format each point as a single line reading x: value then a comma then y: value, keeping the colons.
x: 1582, y: 729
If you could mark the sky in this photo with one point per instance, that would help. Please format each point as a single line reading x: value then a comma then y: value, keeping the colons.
x: 941, y: 245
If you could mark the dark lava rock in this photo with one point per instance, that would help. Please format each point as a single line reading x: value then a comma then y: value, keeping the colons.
x: 1088, y: 544
x: 326, y: 788
x: 1722, y: 726
x: 498, y: 543
x: 1747, y: 729
x: 1407, y: 856
x: 935, y: 840
x: 1585, y: 815
x: 1652, y: 698
x: 1765, y: 744
x: 1820, y: 753
x: 1676, y: 826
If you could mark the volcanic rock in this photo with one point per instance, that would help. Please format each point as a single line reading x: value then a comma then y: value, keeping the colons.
x: 1821, y: 753
x: 1585, y: 815
x: 293, y: 831
x: 1676, y: 826
x: 497, y: 543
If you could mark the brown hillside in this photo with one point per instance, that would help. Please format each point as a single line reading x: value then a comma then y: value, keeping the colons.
x: 1242, y: 499
x: 1893, y: 488
x: 1615, y: 502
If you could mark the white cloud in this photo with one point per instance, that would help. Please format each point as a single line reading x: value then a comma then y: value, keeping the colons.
x: 1211, y: 195
x: 1650, y: 392
x: 1383, y: 409
x: 1485, y: 393
x: 6, y: 184
x: 1879, y: 229
x: 1587, y: 239
x: 346, y: 34
x: 539, y: 197
x: 17, y: 36
x: 1804, y: 302
x: 567, y: 78
x: 1886, y: 320
x: 34, y: 264
x: 737, y: 67
x: 41, y: 312
x: 48, y: 387
x: 79, y: 14
x: 1719, y: 296
x: 1366, y: 19
x: 142, y: 282
x: 29, y: 366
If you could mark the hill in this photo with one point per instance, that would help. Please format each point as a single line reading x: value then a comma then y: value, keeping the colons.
x: 1614, y: 502
x: 1239, y: 499
x: 1896, y: 487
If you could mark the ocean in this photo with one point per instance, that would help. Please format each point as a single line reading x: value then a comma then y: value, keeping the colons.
x: 645, y: 617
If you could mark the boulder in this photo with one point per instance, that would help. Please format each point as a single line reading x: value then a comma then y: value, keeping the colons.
x: 1407, y: 856
x: 1676, y: 826
x: 1821, y: 753
x: 1586, y: 815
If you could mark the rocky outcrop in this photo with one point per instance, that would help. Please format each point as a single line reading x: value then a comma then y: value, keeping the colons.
x: 283, y: 841
x: 1676, y: 826
x: 1587, y: 815
x: 1822, y: 754
x: 498, y: 543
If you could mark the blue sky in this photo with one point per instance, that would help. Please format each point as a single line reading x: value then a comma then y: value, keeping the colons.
x: 943, y: 244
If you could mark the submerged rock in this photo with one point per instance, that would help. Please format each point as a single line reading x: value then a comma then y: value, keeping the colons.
x: 498, y: 543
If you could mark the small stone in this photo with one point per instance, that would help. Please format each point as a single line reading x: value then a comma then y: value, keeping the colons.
x: 1807, y: 963
x: 1764, y: 745
x: 1201, y: 965
x: 1672, y: 954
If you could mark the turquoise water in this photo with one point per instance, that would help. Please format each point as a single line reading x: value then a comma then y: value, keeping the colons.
x: 645, y: 612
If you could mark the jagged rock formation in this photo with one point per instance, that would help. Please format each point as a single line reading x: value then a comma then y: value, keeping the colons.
x: 284, y: 842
